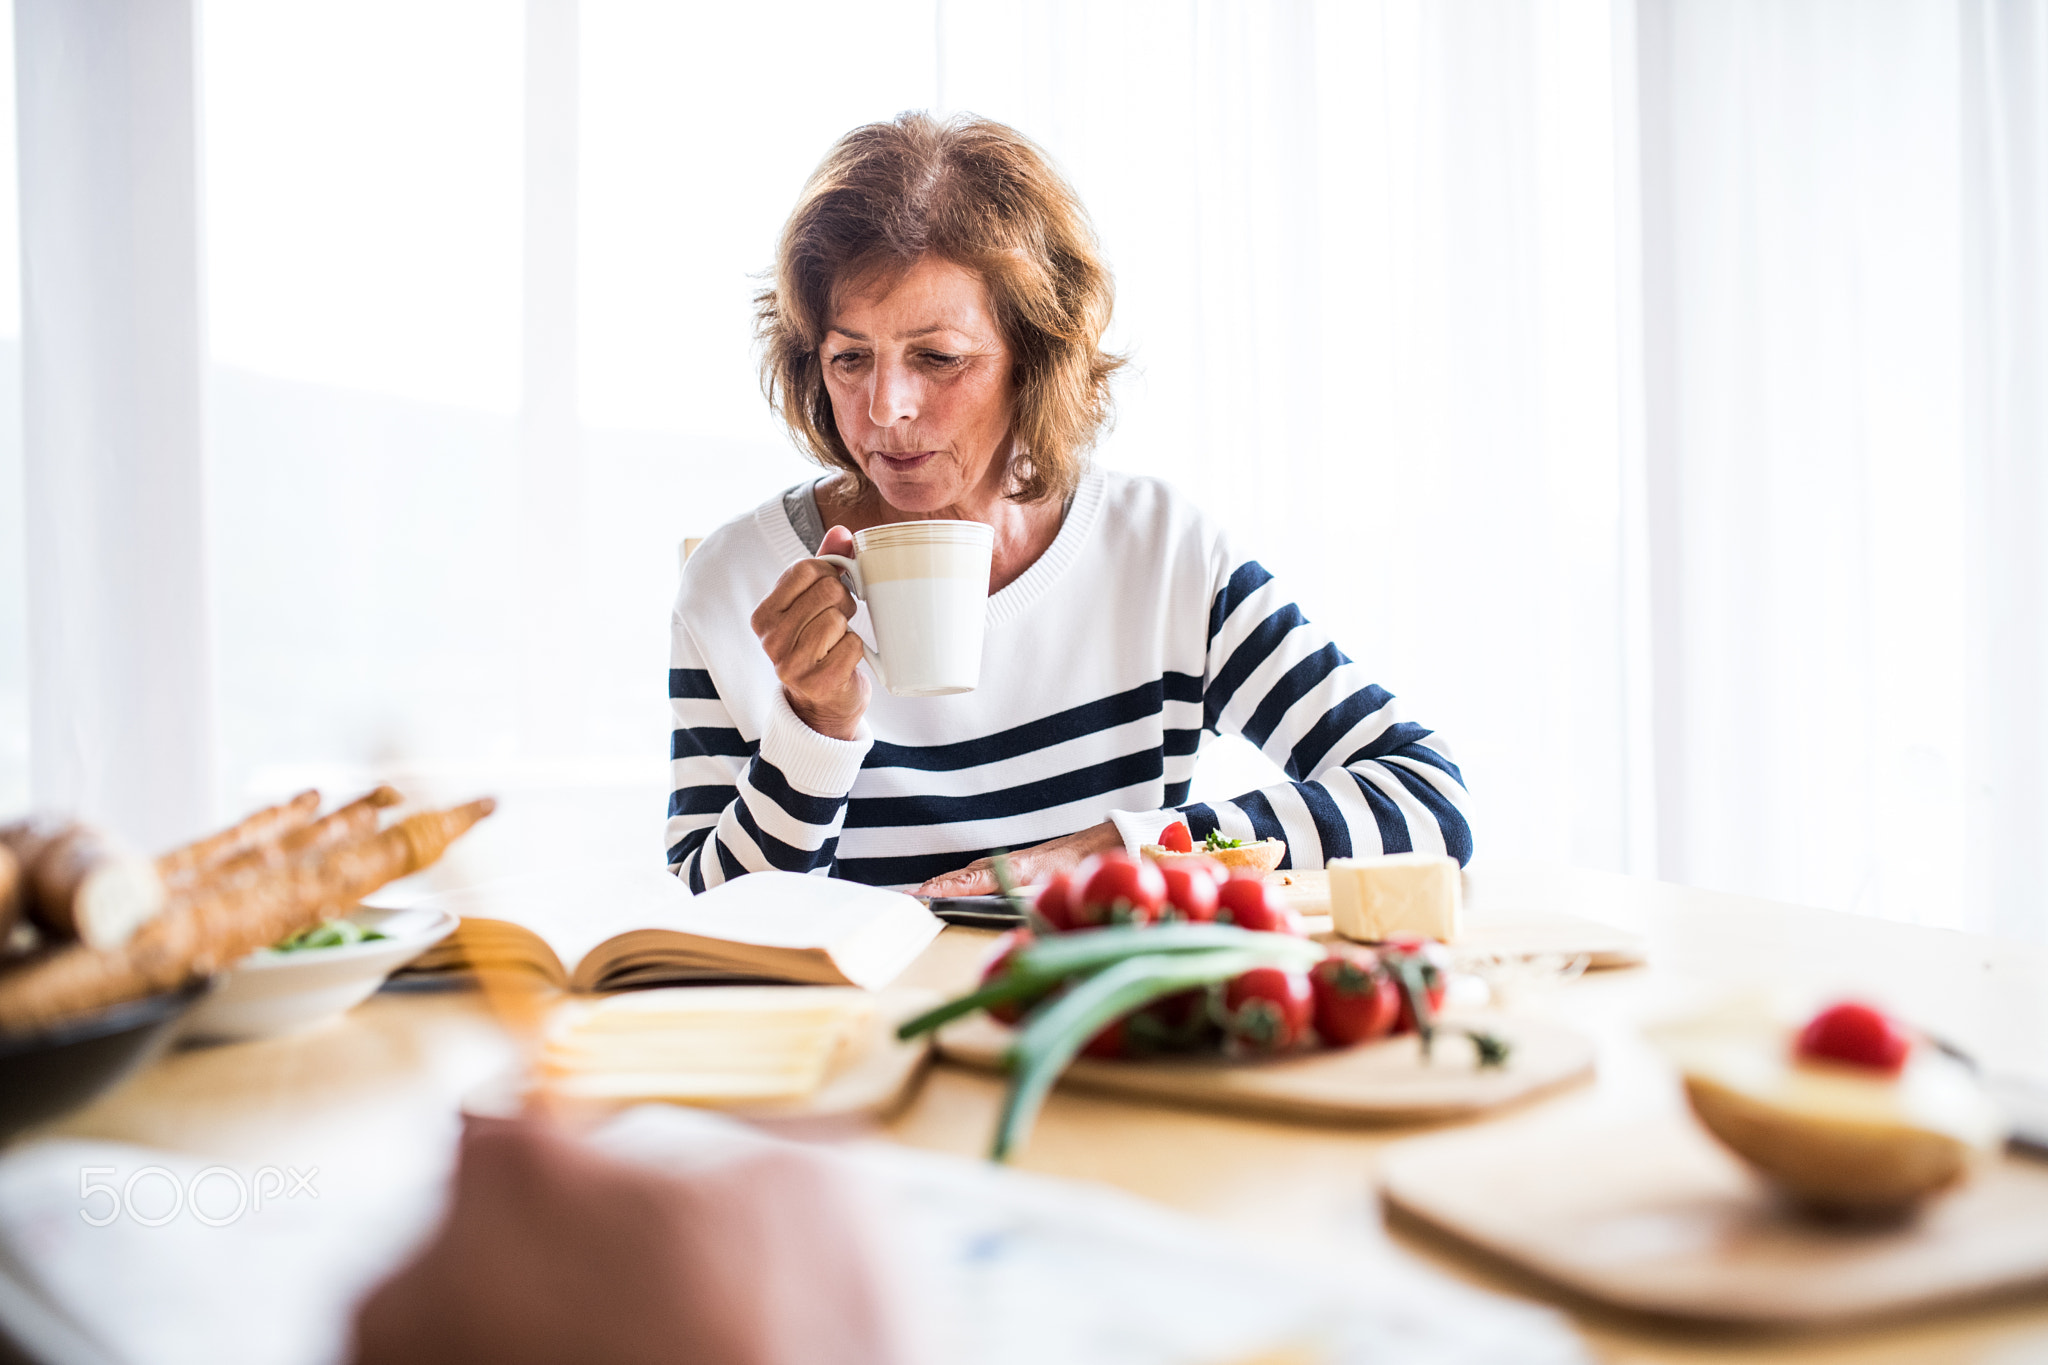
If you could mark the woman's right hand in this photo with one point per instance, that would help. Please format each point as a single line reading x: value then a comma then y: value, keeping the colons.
x: 802, y: 625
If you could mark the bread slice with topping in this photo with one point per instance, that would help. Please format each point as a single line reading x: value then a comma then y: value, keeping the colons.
x: 1261, y: 855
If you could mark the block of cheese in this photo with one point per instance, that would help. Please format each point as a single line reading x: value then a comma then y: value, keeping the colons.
x: 1372, y: 899
x: 701, y: 1044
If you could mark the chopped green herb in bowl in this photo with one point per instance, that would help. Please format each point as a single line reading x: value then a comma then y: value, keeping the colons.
x: 335, y: 933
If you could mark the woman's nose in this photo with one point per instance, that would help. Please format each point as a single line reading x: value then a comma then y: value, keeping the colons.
x: 895, y: 395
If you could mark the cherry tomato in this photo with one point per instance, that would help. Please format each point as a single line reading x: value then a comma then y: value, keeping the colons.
x: 1176, y: 839
x: 1055, y: 902
x: 1115, y: 888
x: 1356, y: 1000
x: 1243, y: 901
x: 1435, y: 964
x: 1268, y: 1009
x: 1007, y: 947
x: 1190, y: 892
x: 1174, y: 1023
x: 1110, y: 1044
x: 1855, y: 1033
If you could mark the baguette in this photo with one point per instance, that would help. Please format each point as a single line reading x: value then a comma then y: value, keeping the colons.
x: 10, y: 894
x: 343, y: 825
x: 74, y: 881
x: 84, y: 886
x: 26, y: 839
x: 211, y: 926
x: 182, y: 866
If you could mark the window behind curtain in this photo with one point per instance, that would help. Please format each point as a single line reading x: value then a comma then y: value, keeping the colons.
x: 364, y: 202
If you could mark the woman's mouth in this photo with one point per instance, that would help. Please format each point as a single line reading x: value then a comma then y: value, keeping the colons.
x: 902, y: 461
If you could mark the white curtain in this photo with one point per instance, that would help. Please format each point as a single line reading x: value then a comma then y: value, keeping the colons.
x: 1365, y: 261
x: 1650, y: 391
x: 118, y: 626
x: 1843, y: 309
x: 2005, y: 422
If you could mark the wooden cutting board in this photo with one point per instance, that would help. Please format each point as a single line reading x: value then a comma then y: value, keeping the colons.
x: 1492, y: 932
x: 1383, y: 1082
x: 1654, y: 1216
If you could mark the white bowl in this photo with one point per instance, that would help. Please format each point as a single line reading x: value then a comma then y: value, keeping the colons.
x: 269, y: 992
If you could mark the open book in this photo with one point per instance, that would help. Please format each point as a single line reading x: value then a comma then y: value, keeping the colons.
x: 613, y: 927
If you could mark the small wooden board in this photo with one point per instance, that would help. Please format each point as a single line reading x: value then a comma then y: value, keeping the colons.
x: 873, y: 1076
x: 1653, y: 1216
x: 1383, y: 1082
x: 1488, y: 932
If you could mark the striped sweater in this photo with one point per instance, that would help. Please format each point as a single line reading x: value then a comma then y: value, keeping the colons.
x: 1138, y: 631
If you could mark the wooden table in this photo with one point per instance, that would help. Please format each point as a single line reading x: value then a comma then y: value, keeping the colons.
x: 384, y: 1086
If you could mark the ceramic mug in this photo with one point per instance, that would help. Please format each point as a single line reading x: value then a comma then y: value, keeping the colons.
x: 926, y: 586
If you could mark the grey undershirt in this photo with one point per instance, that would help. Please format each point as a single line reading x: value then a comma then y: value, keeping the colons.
x: 800, y: 505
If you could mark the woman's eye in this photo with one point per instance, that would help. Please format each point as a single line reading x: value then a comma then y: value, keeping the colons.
x: 941, y: 360
x: 846, y: 360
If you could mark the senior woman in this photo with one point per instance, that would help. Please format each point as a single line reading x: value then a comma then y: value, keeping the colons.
x: 932, y: 336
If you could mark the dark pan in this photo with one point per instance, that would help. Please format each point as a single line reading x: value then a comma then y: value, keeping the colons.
x: 54, y: 1070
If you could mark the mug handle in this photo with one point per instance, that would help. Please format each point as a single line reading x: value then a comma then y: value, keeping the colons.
x: 850, y: 570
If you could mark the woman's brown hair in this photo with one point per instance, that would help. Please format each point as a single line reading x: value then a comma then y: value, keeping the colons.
x: 977, y: 194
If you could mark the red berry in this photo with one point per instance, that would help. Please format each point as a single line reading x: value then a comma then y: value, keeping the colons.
x: 1176, y: 839
x: 1857, y: 1035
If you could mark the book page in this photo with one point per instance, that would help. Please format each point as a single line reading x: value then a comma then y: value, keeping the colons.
x: 870, y: 934
x: 790, y: 910
x: 573, y: 910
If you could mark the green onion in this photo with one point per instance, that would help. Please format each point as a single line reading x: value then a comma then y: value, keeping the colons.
x: 1408, y: 973
x: 1011, y: 985
x: 1493, y: 1049
x: 1088, y: 949
x: 1052, y: 1037
x: 1045, y: 964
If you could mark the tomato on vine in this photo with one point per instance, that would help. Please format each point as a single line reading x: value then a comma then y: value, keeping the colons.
x: 1268, y: 1009
x: 1115, y: 888
x: 1357, y: 999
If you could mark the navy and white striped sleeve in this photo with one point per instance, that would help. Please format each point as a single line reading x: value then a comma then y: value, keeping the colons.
x: 737, y: 805
x: 1362, y: 780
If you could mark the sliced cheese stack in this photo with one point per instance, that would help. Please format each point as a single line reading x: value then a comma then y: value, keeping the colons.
x: 706, y: 1045
x: 1373, y: 899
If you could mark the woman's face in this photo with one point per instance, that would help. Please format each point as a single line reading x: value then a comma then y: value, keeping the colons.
x: 920, y: 384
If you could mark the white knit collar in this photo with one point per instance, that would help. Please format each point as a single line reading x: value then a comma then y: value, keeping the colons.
x: 1027, y: 587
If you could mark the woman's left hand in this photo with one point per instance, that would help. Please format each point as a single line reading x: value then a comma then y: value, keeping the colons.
x: 1027, y: 865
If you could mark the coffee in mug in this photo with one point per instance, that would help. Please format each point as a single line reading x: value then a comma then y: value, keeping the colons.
x: 926, y: 586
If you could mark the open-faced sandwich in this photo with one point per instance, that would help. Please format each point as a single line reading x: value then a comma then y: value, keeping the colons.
x: 1850, y: 1114
x: 1176, y: 844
